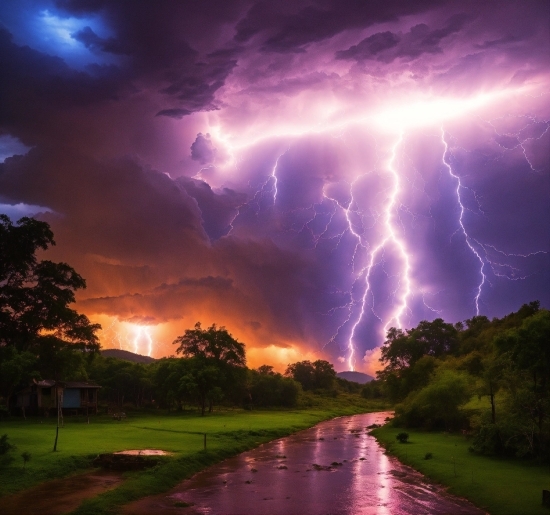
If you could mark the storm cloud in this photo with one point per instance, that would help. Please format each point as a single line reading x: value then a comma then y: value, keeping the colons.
x: 307, y: 174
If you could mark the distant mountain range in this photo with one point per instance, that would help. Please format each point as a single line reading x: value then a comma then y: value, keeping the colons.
x: 356, y: 377
x: 126, y: 355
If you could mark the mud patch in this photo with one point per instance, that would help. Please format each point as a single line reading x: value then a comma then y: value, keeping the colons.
x: 122, y: 461
x: 144, y: 452
x: 60, y: 495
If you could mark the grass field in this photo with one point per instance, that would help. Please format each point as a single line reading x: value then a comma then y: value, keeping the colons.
x: 502, y: 487
x: 228, y: 432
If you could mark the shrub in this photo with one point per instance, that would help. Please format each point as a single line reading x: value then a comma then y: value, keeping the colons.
x: 428, y: 456
x: 5, y: 446
x: 438, y: 404
x: 402, y: 437
x: 26, y: 457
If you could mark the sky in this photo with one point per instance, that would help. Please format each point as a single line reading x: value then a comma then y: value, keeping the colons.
x: 307, y: 174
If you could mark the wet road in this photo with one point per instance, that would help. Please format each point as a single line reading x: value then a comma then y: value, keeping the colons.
x: 335, y: 467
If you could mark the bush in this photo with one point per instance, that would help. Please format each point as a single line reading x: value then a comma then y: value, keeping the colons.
x: 26, y: 457
x: 436, y: 406
x: 5, y: 446
x: 402, y: 437
x: 428, y: 456
x: 273, y: 390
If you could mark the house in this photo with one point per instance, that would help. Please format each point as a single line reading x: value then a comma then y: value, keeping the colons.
x: 44, y: 396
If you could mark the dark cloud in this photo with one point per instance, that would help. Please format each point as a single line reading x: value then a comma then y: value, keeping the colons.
x: 291, y: 31
x: 419, y: 40
x: 202, y: 149
x: 176, y: 112
x: 369, y: 47
x: 218, y: 209
x: 272, y: 237
x: 92, y: 41
x: 32, y: 84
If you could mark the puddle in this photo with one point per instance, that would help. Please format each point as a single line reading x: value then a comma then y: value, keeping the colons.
x: 59, y: 495
x: 144, y: 452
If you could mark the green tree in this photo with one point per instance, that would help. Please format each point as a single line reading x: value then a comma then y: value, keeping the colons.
x: 526, y: 349
x: 212, y: 343
x: 437, y: 405
x: 218, y: 364
x: 35, y: 316
x: 319, y: 374
x: 268, y: 388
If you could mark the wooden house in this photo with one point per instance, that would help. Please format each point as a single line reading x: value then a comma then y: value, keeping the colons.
x: 45, y: 396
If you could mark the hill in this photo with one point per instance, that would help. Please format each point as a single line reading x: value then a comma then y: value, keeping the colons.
x: 126, y: 355
x: 356, y: 377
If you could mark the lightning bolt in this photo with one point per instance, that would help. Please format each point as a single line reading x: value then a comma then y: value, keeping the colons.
x: 368, y: 255
x: 467, y: 238
x: 142, y: 332
x: 389, y: 241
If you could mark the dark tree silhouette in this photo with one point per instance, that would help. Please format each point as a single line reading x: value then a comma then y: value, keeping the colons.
x: 37, y: 326
x: 215, y: 343
x: 218, y: 363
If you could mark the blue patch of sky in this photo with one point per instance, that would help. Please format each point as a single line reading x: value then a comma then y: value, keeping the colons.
x: 10, y: 146
x: 41, y: 26
x: 19, y: 210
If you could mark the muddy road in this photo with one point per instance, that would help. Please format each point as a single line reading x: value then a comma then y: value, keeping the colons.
x: 336, y: 468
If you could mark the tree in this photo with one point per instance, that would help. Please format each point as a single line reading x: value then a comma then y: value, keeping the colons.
x: 402, y: 349
x: 218, y: 364
x: 268, y: 388
x: 213, y: 343
x: 527, y: 351
x: 319, y: 374
x: 34, y: 302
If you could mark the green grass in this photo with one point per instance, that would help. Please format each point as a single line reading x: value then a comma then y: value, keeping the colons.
x: 228, y: 432
x: 502, y: 487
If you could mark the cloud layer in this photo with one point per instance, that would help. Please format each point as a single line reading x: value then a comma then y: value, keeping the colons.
x: 250, y: 164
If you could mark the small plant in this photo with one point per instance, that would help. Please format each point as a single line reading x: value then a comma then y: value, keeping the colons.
x: 5, y: 446
x: 26, y: 457
x: 402, y: 437
x: 428, y: 456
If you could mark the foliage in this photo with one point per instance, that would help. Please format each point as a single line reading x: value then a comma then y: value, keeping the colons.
x: 26, y: 457
x: 432, y: 371
x: 372, y: 390
x: 212, y: 343
x: 312, y: 376
x: 122, y: 381
x: 402, y: 437
x: 403, y: 349
x: 35, y: 318
x: 268, y: 388
x: 437, y: 405
x: 5, y: 448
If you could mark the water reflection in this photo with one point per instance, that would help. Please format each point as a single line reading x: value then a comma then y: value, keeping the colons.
x: 333, y: 468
